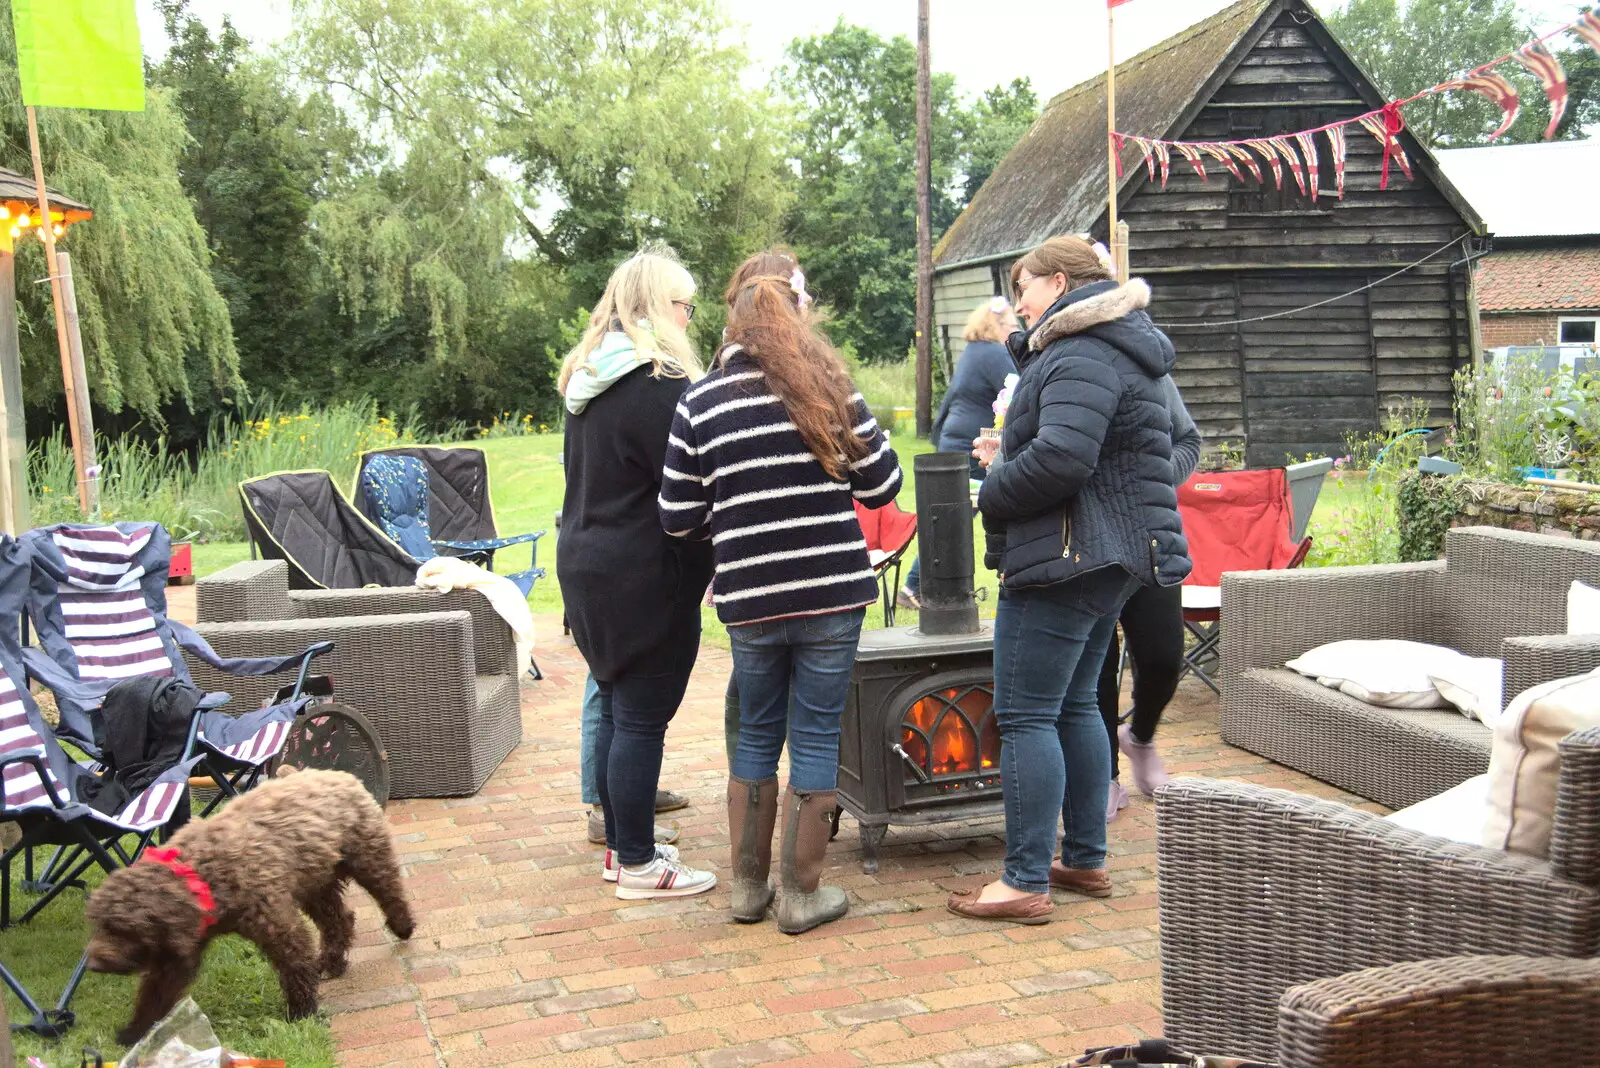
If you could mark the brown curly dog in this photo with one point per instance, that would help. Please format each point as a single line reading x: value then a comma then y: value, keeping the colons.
x: 285, y: 848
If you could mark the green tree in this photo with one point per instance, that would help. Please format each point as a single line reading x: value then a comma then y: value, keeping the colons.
x: 996, y: 123
x: 155, y: 329
x: 853, y: 221
x: 1409, y: 47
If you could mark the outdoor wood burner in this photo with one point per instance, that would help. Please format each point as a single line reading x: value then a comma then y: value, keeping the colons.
x: 919, y: 741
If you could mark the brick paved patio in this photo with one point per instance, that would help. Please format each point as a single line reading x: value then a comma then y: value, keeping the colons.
x: 524, y: 957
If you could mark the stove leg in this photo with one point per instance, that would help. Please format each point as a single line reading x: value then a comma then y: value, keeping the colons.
x: 871, y: 838
x: 838, y: 811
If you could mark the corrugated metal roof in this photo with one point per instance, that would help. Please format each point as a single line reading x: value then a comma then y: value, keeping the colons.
x: 1539, y: 190
x: 15, y: 186
x: 1054, y: 180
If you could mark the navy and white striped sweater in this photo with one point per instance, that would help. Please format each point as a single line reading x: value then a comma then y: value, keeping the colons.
x: 785, y: 535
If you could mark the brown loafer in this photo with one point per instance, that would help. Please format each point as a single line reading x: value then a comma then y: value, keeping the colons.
x: 1091, y: 882
x: 1035, y: 909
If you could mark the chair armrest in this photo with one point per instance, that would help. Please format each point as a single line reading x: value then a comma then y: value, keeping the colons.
x: 1459, y: 1010
x: 1532, y: 661
x: 1262, y: 890
x: 1575, y: 835
x: 1272, y: 616
x: 250, y: 589
x: 413, y: 652
x: 494, y: 646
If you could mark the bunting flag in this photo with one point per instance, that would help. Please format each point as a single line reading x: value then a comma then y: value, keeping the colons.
x: 1308, y: 152
x: 1552, y: 79
x: 1497, y: 91
x: 1588, y: 27
x: 1149, y: 156
x: 1115, y: 3
x: 1221, y: 154
x: 1337, y: 147
x: 1269, y: 154
x: 1286, y: 150
x: 1192, y: 154
x: 1162, y: 158
x: 1242, y: 154
x: 1374, y: 125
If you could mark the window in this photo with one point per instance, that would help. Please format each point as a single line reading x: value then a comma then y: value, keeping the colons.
x: 1579, y: 331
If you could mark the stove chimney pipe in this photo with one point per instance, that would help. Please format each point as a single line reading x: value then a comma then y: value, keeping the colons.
x: 944, y: 542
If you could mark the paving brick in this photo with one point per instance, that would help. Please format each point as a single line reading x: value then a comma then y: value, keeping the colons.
x: 994, y: 1056
x: 871, y: 1011
x: 608, y: 1036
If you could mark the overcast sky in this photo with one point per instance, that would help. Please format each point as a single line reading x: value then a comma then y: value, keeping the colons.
x: 1056, y: 43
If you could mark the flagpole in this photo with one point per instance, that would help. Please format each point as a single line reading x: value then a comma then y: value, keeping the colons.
x: 1116, y: 235
x: 62, y: 338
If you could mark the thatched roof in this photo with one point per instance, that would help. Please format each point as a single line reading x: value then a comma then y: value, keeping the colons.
x: 1054, y: 180
x: 15, y: 186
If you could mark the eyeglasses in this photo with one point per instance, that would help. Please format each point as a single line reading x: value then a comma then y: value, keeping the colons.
x: 687, y: 307
x: 1021, y: 284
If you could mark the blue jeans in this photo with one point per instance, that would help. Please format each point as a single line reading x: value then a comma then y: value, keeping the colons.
x: 793, y: 677
x: 1049, y: 643
x: 589, y: 759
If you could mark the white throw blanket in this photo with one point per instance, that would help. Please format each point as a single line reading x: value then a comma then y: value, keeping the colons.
x: 446, y: 573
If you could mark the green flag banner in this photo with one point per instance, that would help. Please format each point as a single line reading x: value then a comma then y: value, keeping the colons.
x: 79, y: 54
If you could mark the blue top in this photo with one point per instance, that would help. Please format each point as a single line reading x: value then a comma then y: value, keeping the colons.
x: 969, y: 405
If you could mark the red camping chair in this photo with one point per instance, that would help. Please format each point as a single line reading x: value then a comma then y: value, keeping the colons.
x: 888, y: 531
x: 1234, y: 521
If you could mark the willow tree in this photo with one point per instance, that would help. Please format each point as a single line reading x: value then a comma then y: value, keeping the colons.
x: 556, y: 134
x: 155, y: 330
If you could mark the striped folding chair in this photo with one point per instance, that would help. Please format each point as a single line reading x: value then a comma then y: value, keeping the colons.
x: 43, y: 792
x: 98, y: 602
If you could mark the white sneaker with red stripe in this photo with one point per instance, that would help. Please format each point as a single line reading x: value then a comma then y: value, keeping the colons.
x: 611, y: 865
x: 665, y: 877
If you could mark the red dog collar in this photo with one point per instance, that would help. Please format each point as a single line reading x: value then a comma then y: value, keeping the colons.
x: 169, y: 859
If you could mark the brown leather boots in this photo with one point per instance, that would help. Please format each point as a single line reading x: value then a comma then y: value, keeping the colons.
x: 807, y: 826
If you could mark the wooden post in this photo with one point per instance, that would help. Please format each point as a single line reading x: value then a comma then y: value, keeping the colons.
x: 91, y: 467
x: 14, y: 510
x: 70, y: 384
x: 924, y: 229
x: 1115, y: 234
x: 1474, y: 322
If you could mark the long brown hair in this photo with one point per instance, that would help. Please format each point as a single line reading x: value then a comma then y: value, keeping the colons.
x: 780, y: 332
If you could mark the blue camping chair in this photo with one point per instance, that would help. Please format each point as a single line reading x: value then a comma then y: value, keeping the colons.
x: 411, y: 492
x: 97, y: 600
x: 44, y: 791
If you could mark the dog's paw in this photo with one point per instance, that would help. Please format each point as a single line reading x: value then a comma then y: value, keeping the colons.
x: 404, y: 931
x: 127, y: 1036
x: 333, y: 967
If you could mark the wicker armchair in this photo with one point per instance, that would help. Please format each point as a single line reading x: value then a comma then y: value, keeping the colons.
x: 1498, y: 593
x: 1509, y: 1011
x: 436, y: 673
x: 1262, y: 890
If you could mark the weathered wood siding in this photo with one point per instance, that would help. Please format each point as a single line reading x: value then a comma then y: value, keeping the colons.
x: 955, y: 294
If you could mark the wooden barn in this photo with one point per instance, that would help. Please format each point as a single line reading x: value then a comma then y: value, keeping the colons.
x: 1224, y: 258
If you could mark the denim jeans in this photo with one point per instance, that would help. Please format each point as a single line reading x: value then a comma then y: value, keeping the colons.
x: 588, y: 757
x: 634, y: 713
x: 793, y: 677
x: 1049, y: 643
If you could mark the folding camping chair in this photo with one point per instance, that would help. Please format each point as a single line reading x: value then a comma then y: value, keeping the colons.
x: 402, y: 491
x: 888, y: 531
x: 301, y: 518
x: 1234, y: 521
x: 97, y: 601
x: 43, y: 792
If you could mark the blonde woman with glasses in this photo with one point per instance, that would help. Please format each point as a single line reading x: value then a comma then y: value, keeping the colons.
x: 632, y: 594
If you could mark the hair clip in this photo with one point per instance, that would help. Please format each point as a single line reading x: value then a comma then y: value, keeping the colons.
x: 999, y: 306
x: 1103, y: 254
x: 797, y: 282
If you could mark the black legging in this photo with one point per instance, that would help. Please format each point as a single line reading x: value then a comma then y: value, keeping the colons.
x: 1152, y: 623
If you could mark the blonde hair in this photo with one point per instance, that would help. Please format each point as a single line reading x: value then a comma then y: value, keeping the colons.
x: 638, y: 301
x: 986, y: 323
x: 1071, y: 256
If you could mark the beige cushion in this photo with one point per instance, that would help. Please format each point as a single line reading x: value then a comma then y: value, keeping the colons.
x: 1524, y: 765
x: 1472, y: 684
x: 1387, y: 672
x: 1458, y: 814
x: 1583, y: 609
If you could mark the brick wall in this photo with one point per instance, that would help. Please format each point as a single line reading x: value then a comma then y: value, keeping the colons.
x: 1520, y: 328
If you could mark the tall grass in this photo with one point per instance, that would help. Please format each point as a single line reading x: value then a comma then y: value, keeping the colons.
x: 199, y: 498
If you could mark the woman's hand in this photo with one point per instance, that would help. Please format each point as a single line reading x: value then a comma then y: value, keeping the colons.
x: 984, y: 450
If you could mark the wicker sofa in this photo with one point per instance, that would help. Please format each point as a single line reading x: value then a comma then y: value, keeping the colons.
x: 1497, y: 593
x: 436, y: 673
x: 1263, y: 890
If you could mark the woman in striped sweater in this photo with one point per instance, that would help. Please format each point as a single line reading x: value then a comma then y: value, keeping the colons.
x: 767, y: 453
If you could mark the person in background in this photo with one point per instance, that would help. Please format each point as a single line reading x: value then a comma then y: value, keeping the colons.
x: 1152, y: 627
x: 968, y: 403
x: 766, y: 455
x: 589, y: 730
x: 632, y: 594
x: 1080, y: 509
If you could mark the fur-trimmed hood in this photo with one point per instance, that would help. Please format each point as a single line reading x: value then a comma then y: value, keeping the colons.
x: 1113, y: 313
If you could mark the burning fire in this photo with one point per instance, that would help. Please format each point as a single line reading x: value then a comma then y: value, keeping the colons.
x: 947, y: 716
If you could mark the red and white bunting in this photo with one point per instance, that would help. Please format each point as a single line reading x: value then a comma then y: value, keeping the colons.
x: 1552, y: 79
x: 1242, y: 154
x: 1149, y: 157
x: 1373, y: 124
x: 1270, y: 154
x: 1221, y: 154
x: 1308, y: 152
x: 1337, y: 150
x: 1497, y: 91
x: 1163, y: 159
x: 1192, y: 154
x: 1588, y: 27
x: 1286, y: 150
